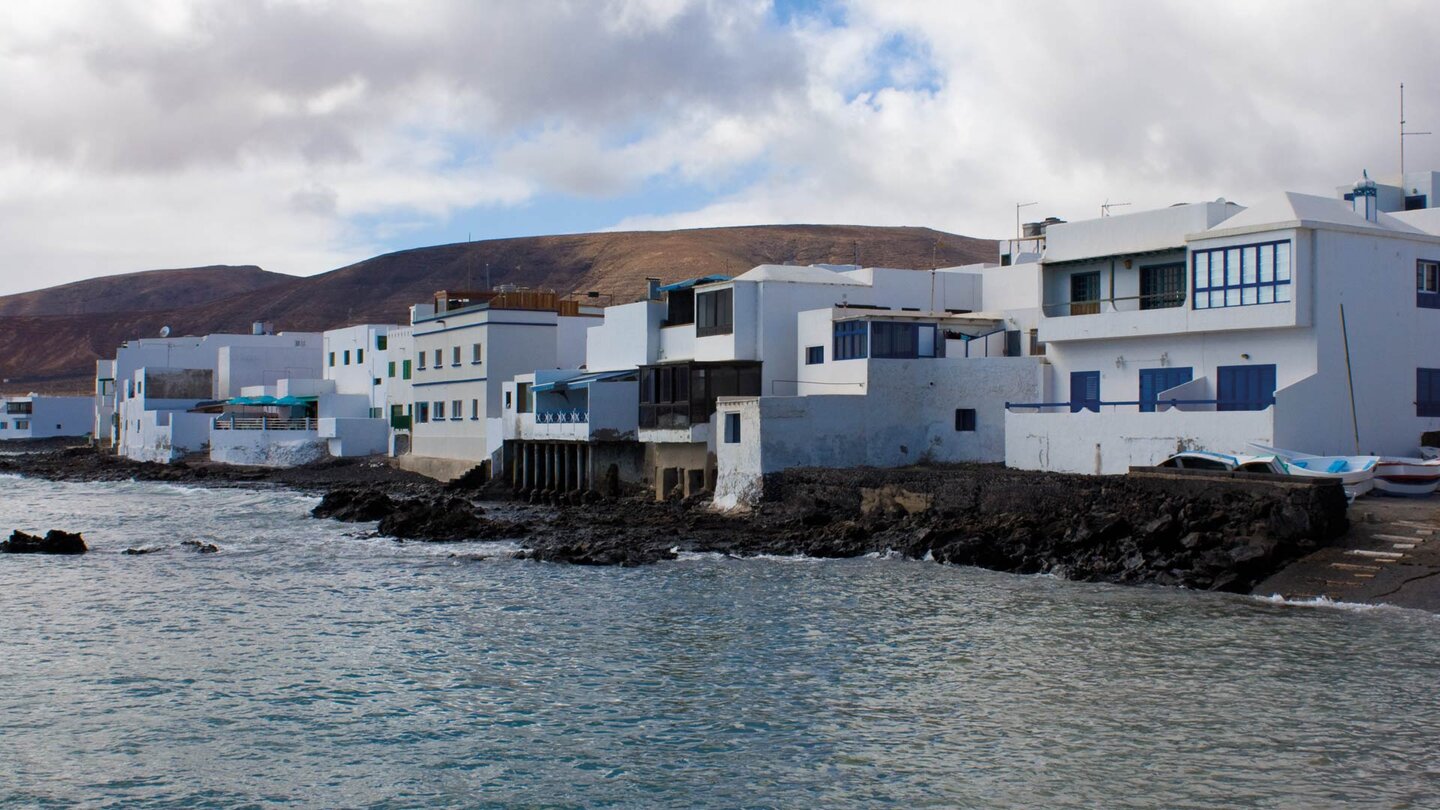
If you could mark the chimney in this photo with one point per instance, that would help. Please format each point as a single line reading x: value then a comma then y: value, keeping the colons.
x: 1364, y: 198
x: 652, y: 289
x: 260, y: 328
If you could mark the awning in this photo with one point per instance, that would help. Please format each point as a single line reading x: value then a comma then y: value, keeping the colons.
x: 693, y: 282
x: 582, y: 381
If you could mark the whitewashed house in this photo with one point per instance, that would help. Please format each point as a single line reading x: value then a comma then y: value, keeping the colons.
x: 1303, y: 322
x: 399, y: 385
x: 160, y: 383
x: 37, y: 416
x: 465, y: 348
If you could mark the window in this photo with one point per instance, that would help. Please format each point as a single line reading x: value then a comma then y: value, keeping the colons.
x: 1427, y: 284
x: 4, y: 426
x: 390, y: 369
x: 1084, y: 391
x: 347, y: 357
x: 455, y: 355
x: 679, y: 395
x: 475, y: 353
x: 1241, y: 276
x: 438, y: 408
x: 439, y: 358
x: 965, y: 419
x: 422, y: 412
x: 814, y: 355
x: 509, y: 400
x: 359, y: 356
x: 1427, y: 392
x: 405, y: 370
x: 421, y: 355
x: 374, y: 413
x: 1085, y: 293
x: 381, y: 343
x: 457, y: 409
x: 1155, y: 380
x: 851, y: 340
x: 1162, y: 286
x: 679, y: 307
x: 732, y: 428
x: 522, y: 394
x: 375, y: 381
x: 1036, y: 347
x: 715, y: 312
x: 1245, y: 388
x: 332, y: 359
x: 22, y: 424
x: 893, y: 340
x: 474, y: 409
x: 1415, y: 202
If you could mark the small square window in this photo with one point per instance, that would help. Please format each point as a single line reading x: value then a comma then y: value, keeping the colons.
x: 347, y: 357
x: 814, y: 355
x: 732, y: 428
x: 965, y: 419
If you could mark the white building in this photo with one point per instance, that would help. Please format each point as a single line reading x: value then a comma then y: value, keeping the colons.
x: 1303, y: 322
x: 159, y: 381
x: 755, y: 336
x: 41, y: 417
x: 464, y: 350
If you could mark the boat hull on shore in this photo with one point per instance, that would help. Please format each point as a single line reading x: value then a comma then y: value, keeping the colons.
x: 1407, y: 477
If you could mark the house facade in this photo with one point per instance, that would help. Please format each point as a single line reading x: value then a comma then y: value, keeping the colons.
x: 1303, y: 322
x: 37, y: 416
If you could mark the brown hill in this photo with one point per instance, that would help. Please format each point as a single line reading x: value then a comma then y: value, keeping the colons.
x: 145, y: 291
x: 57, y: 352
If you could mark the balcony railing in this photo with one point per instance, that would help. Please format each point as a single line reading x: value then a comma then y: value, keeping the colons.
x: 575, y: 416
x: 1128, y: 303
x: 1095, y: 404
x: 264, y: 423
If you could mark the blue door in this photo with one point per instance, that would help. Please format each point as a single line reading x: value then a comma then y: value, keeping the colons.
x: 1246, y: 388
x: 1155, y: 380
x: 1084, y: 391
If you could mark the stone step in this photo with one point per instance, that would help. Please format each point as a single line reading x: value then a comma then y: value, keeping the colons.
x: 1378, y: 556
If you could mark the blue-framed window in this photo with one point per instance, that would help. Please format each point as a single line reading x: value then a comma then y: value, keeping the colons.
x: 1245, y: 388
x: 1155, y: 380
x: 1084, y: 391
x: 851, y: 340
x: 1427, y: 392
x: 814, y: 355
x: 732, y: 428
x: 902, y: 340
x: 1241, y: 276
x: 1427, y: 284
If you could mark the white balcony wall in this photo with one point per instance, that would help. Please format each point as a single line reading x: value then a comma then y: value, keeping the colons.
x: 1110, y: 443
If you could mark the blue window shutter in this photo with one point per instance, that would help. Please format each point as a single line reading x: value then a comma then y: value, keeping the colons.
x: 1084, y: 391
x: 1155, y: 380
x: 1246, y: 388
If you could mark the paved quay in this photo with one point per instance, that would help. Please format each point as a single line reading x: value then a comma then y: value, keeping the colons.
x: 1391, y: 555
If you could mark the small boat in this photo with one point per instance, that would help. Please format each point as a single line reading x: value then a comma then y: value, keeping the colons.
x: 1224, y: 462
x: 1407, y: 477
x: 1356, y: 473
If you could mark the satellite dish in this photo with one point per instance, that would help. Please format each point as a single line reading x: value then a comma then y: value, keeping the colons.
x: 164, y: 331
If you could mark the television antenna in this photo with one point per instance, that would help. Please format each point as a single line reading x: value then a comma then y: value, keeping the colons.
x: 1018, y: 206
x: 1107, y: 205
x: 1404, y: 134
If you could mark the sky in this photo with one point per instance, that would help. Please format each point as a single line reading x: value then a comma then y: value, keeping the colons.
x: 303, y: 136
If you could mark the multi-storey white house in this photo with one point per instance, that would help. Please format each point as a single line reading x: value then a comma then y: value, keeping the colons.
x: 465, y: 349
x: 1303, y: 322
x: 399, y: 385
x: 42, y: 417
x: 159, y: 382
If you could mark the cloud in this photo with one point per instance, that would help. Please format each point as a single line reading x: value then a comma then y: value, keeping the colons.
x: 303, y: 135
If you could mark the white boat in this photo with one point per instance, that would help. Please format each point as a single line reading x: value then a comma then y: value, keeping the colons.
x: 1409, y: 477
x: 1355, y: 473
x: 1224, y: 462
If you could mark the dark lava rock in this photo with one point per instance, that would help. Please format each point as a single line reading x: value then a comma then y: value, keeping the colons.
x: 597, y: 551
x: 142, y: 550
x: 201, y: 548
x: 444, y: 519
x: 54, y: 542
x: 354, y: 505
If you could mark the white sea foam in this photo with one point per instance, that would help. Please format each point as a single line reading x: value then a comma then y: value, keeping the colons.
x: 1324, y: 602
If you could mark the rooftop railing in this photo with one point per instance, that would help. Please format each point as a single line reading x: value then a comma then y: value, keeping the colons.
x: 1096, y: 405
x: 574, y: 416
x: 264, y: 423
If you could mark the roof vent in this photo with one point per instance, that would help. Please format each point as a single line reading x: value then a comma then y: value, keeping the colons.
x: 1364, y: 199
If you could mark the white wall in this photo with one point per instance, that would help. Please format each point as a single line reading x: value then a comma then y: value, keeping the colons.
x: 1111, y: 443
x: 239, y: 366
x: 627, y: 337
x: 266, y: 448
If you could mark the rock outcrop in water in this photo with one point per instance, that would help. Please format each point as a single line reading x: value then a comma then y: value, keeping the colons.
x: 54, y: 542
x: 436, y: 518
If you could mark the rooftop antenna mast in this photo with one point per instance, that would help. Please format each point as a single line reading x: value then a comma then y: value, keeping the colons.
x: 1403, y: 133
x: 1107, y: 205
x: 1018, y: 206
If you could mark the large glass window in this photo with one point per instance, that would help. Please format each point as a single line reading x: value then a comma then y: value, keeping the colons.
x: 851, y: 340
x: 1085, y: 293
x: 682, y: 394
x: 894, y: 340
x: 1241, y: 276
x: 715, y: 312
x: 1162, y: 286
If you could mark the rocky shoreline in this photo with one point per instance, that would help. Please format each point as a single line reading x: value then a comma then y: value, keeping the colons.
x: 1168, y: 530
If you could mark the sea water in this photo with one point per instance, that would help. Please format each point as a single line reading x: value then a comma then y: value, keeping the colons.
x: 311, y: 664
